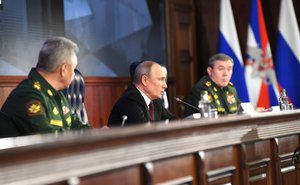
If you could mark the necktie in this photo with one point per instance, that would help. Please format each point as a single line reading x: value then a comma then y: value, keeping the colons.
x: 151, y: 111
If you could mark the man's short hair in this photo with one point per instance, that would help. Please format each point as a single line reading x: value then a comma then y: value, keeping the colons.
x: 218, y: 56
x: 143, y: 68
x: 132, y: 68
x: 54, y: 51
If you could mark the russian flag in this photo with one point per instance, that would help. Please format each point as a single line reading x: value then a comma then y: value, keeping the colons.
x: 288, y: 52
x: 229, y: 44
x: 259, y: 69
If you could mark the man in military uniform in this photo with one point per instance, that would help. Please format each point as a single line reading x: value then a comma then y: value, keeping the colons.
x: 221, y: 92
x: 37, y: 104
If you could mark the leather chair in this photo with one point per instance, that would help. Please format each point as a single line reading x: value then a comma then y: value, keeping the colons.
x: 75, y: 96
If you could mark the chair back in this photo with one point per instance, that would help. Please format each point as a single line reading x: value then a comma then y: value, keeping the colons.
x: 75, y: 96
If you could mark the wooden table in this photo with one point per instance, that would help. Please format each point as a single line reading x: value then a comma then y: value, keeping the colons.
x: 236, y: 149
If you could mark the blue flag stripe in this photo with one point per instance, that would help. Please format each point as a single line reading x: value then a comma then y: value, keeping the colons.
x: 254, y: 23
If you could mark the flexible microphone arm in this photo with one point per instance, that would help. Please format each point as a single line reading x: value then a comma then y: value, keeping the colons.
x: 190, y: 105
x: 124, y: 118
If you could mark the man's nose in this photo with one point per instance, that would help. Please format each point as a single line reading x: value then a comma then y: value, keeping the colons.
x: 165, y: 86
x: 226, y: 72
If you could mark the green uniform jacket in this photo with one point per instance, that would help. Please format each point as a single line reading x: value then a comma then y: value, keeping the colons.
x: 35, y: 106
x: 225, y: 99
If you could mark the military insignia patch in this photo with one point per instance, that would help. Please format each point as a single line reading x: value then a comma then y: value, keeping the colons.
x: 221, y: 109
x: 55, y: 111
x: 50, y: 92
x: 233, y: 109
x: 66, y: 110
x: 231, y: 99
x: 34, y: 108
x: 37, y: 85
x: 210, y: 97
x: 69, y: 120
x: 230, y: 83
x: 56, y: 122
x: 208, y: 83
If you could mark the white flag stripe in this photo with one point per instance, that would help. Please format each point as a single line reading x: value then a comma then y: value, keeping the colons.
x: 253, y: 85
x: 250, y: 38
x: 227, y: 28
x: 253, y: 81
x: 288, y: 26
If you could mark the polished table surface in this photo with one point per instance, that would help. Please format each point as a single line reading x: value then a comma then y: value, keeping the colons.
x: 41, y: 159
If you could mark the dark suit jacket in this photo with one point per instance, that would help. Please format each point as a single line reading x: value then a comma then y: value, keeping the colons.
x: 133, y: 105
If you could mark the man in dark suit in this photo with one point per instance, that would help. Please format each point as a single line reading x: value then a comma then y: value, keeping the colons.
x: 149, y: 83
x: 163, y: 98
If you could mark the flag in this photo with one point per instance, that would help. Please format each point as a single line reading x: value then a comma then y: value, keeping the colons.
x: 229, y: 44
x: 287, y: 52
x: 259, y: 69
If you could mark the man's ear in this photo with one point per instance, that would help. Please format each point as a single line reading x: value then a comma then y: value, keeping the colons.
x: 208, y: 69
x: 144, y: 80
x: 62, y: 69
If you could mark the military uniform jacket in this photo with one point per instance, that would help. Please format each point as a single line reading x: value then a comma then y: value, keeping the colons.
x: 225, y: 100
x: 133, y: 105
x: 34, y: 106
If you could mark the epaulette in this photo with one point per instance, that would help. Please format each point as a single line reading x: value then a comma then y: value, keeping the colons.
x: 210, y: 97
x: 208, y: 83
x: 37, y: 85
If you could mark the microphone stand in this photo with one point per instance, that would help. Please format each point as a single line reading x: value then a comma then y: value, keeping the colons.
x: 190, y: 105
x: 124, y: 118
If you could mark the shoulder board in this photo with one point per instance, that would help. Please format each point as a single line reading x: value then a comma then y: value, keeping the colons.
x: 37, y: 85
x: 208, y: 83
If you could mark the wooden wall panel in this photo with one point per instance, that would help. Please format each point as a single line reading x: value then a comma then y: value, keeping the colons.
x: 181, y: 47
x: 284, y: 155
x: 101, y: 95
x: 7, y: 84
x: 179, y: 169
x: 258, y: 163
x: 219, y: 166
x: 130, y: 175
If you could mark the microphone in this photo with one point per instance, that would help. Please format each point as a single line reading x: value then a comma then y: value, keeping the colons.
x: 190, y: 105
x: 124, y: 118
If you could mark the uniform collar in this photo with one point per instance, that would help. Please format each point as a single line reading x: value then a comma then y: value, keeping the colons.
x: 38, y: 80
x: 215, y: 85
